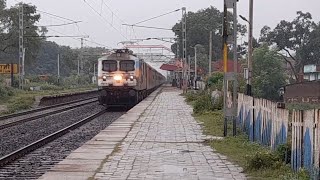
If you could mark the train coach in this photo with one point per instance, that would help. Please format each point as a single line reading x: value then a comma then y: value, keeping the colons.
x: 124, y: 79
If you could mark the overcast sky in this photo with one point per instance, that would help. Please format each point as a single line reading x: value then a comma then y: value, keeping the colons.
x: 97, y: 23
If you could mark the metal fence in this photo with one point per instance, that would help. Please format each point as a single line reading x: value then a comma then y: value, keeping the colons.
x: 263, y: 121
x: 268, y: 125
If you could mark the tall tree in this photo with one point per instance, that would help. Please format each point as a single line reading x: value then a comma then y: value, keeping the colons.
x: 297, y: 38
x: 268, y: 75
x: 199, y: 25
x: 9, y: 20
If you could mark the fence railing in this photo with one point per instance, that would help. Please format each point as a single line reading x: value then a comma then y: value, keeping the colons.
x: 306, y: 140
x: 263, y: 121
x: 268, y: 125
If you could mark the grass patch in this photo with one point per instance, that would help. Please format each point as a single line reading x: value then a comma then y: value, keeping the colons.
x: 213, y: 122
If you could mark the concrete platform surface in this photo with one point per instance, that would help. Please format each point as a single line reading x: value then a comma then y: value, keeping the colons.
x: 157, y: 139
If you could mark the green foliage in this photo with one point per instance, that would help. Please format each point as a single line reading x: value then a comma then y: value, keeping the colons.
x: 9, y: 31
x: 21, y: 103
x: 215, y: 81
x: 263, y: 160
x: 213, y: 121
x: 74, y: 81
x: 200, y: 24
x: 4, y: 90
x: 268, y: 74
x: 202, y: 104
x: 300, y: 36
x: 283, y: 153
x: 191, y: 96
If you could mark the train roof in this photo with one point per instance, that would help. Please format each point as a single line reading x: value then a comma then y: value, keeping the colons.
x: 120, y: 54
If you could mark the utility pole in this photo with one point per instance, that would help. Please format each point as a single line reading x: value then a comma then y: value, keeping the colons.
x: 94, y: 72
x: 81, y: 57
x: 210, y: 53
x: 184, y: 47
x: 21, y: 47
x: 189, y: 68
x: 225, y: 67
x: 250, y: 48
x: 195, y: 67
x: 235, y: 66
x: 58, y: 64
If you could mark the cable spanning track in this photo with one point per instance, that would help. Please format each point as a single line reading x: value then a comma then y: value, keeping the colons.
x: 157, y: 16
x: 105, y: 19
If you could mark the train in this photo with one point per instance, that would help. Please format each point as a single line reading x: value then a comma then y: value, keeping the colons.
x: 124, y: 79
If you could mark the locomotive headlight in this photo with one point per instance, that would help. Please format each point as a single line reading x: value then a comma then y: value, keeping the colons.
x: 104, y: 78
x: 117, y: 77
x: 131, y: 77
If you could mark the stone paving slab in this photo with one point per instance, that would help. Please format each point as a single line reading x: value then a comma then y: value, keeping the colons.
x: 84, y: 161
x: 158, y: 139
x: 167, y: 143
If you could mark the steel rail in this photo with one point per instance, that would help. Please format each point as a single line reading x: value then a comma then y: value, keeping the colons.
x: 39, y: 143
x: 41, y: 109
x: 11, y: 124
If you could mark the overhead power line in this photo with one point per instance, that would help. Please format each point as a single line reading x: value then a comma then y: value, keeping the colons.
x: 56, y: 36
x: 104, y: 18
x: 149, y: 27
x: 157, y: 17
x: 55, y: 25
x: 91, y: 41
x: 98, y: 43
x: 56, y: 16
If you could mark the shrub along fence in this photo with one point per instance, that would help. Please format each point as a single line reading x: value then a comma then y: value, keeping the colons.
x: 268, y: 125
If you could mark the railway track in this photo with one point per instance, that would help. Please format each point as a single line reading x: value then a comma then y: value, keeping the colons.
x: 39, y: 143
x: 22, y: 117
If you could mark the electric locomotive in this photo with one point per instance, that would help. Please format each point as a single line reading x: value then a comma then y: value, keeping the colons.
x: 124, y: 79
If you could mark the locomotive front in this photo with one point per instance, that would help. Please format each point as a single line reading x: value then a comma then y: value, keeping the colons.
x: 118, y: 75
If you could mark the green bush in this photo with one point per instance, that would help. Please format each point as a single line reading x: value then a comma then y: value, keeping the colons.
x: 215, y: 81
x: 21, y: 103
x: 6, y: 91
x: 202, y: 104
x: 283, y: 153
x: 51, y: 87
x: 191, y: 96
x: 263, y: 160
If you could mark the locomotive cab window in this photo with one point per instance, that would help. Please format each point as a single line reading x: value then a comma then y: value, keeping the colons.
x: 109, y: 66
x: 127, y: 65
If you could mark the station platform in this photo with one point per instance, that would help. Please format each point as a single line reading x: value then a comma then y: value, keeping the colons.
x: 157, y: 139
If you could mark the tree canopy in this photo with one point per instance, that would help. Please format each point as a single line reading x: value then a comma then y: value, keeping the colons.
x: 268, y: 74
x: 199, y: 25
x: 299, y: 38
x: 9, y: 32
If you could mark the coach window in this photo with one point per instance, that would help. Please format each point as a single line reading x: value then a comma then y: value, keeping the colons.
x: 127, y: 65
x: 109, y: 66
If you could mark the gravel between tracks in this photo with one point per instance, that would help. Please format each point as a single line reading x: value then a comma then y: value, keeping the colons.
x: 21, y: 135
x: 38, y: 162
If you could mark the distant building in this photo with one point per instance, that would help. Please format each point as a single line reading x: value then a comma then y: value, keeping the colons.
x: 311, y: 72
x: 303, y: 92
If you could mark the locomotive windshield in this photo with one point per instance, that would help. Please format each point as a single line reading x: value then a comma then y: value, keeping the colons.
x: 127, y: 65
x: 109, y: 66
